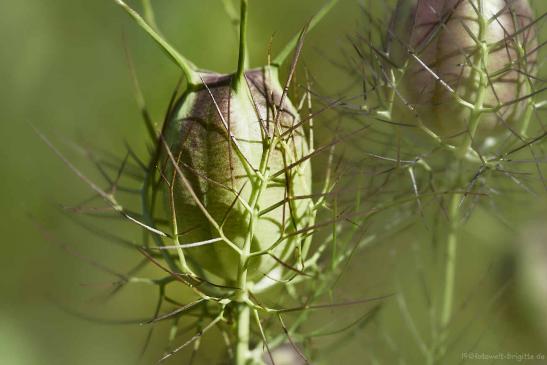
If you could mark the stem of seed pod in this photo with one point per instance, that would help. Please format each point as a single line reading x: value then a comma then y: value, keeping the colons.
x: 243, y: 331
x: 242, y: 295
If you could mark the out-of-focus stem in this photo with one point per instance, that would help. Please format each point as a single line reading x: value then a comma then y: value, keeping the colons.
x: 242, y: 351
x: 450, y: 268
x: 149, y: 15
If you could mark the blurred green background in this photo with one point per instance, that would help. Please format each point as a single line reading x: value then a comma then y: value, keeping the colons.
x: 63, y: 70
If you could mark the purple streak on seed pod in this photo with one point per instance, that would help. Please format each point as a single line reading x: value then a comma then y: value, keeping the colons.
x: 439, y: 47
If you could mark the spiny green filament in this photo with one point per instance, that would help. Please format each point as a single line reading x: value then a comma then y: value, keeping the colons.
x: 149, y: 15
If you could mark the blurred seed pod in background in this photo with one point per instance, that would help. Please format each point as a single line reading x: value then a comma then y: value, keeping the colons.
x: 468, y: 65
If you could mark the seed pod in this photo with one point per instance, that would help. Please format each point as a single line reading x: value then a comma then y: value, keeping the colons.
x: 457, y: 52
x: 219, y: 134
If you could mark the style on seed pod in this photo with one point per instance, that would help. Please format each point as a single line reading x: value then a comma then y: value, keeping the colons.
x: 467, y: 65
x: 218, y: 134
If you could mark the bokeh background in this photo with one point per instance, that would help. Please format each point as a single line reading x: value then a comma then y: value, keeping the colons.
x: 63, y: 71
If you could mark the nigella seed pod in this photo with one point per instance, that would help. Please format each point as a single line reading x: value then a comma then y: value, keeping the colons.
x: 468, y: 64
x: 219, y: 135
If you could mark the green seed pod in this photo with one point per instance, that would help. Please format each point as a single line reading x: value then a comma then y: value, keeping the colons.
x: 220, y: 136
x: 467, y: 64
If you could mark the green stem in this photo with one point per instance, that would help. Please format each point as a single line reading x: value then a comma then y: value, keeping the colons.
x: 243, y: 330
x: 527, y: 118
x: 243, y: 61
x: 149, y: 15
x: 242, y: 352
x: 480, y: 72
x: 242, y: 295
x: 334, y: 232
x: 450, y: 268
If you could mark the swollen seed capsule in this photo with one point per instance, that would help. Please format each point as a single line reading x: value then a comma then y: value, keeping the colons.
x: 468, y: 64
x: 220, y: 136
